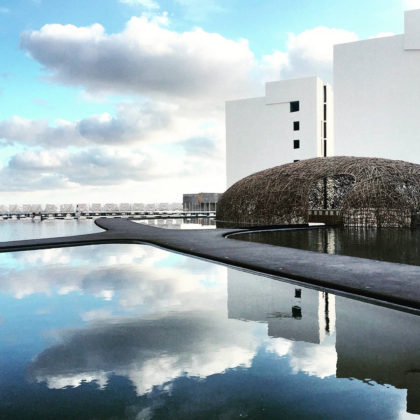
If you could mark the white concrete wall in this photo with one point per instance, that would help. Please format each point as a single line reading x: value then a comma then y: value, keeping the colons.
x: 259, y: 131
x: 377, y: 95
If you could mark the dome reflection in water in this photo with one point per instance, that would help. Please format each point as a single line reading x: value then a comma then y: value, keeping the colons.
x: 132, y: 331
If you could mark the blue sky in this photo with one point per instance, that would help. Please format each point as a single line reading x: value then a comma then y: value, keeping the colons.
x: 122, y: 100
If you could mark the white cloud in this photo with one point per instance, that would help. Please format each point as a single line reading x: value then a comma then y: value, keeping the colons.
x: 148, y: 4
x: 144, y: 58
x: 185, y: 78
x: 132, y: 124
x: 196, y: 343
x: 147, y: 59
x: 64, y: 169
x: 315, y: 359
x: 411, y: 4
x: 134, y: 275
x: 309, y: 53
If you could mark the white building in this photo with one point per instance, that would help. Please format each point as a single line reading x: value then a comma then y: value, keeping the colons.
x: 293, y: 121
x: 288, y: 310
x: 377, y: 95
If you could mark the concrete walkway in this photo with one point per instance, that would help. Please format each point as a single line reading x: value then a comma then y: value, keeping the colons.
x: 398, y: 284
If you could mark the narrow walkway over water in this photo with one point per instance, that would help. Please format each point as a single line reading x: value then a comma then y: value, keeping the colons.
x: 388, y: 282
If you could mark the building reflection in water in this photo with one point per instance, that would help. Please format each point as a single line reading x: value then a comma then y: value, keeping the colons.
x: 289, y: 311
x: 380, y: 345
x: 373, y: 343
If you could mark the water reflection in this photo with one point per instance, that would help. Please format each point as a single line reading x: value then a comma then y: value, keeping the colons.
x: 290, y: 311
x: 181, y: 223
x: 376, y: 344
x: 15, y: 230
x: 149, y: 351
x: 394, y: 245
x: 193, y: 340
x: 372, y: 343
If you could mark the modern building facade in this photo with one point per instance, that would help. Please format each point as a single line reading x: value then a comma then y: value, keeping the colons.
x: 200, y: 201
x: 377, y: 95
x: 293, y: 121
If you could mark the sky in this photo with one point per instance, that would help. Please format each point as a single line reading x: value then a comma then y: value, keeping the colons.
x: 123, y: 100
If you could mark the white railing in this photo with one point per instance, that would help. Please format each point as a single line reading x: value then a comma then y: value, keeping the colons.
x: 97, y: 209
x: 66, y: 208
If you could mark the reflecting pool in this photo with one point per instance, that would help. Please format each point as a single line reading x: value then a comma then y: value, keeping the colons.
x: 393, y: 245
x: 16, y: 230
x: 184, y: 223
x: 131, y: 331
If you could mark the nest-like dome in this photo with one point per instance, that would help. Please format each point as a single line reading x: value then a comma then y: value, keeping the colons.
x: 379, y: 192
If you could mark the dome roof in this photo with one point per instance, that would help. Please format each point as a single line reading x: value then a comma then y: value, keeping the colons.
x: 389, y: 190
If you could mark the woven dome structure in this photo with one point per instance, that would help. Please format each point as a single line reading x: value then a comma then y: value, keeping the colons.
x: 363, y: 191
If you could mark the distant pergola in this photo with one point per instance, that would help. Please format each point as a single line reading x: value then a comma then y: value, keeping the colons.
x: 363, y: 191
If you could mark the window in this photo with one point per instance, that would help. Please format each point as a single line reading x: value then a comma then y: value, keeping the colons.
x: 296, y: 160
x: 296, y: 144
x: 297, y: 312
x: 298, y: 293
x: 325, y: 112
x: 294, y: 106
x: 296, y: 126
x: 325, y: 93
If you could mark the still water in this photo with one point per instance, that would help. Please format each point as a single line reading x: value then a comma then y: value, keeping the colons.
x: 135, y: 332
x: 184, y: 223
x: 393, y: 245
x: 16, y: 230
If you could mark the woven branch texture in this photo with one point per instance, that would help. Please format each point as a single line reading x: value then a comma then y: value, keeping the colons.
x: 365, y: 191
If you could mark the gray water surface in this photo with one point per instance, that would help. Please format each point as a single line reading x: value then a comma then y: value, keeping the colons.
x: 15, y: 230
x: 132, y: 331
x: 393, y: 245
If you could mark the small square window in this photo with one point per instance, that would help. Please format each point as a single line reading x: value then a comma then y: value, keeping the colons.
x: 296, y: 144
x: 294, y: 106
x: 296, y: 126
x: 297, y: 312
x: 298, y: 293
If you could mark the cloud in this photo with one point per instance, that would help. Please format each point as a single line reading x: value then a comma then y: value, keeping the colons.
x: 4, y: 10
x: 411, y: 4
x: 309, y: 53
x: 149, y: 351
x: 180, y: 82
x: 147, y: 4
x: 148, y: 59
x: 199, y: 146
x: 37, y: 170
x: 132, y: 123
x: 134, y: 276
x: 144, y: 58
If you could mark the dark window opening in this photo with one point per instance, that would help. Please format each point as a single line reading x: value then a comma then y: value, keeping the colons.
x: 325, y: 130
x: 325, y: 148
x: 325, y: 93
x: 294, y: 106
x: 298, y: 293
x: 325, y: 112
x: 296, y: 160
x: 296, y: 144
x: 296, y: 125
x: 297, y: 312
